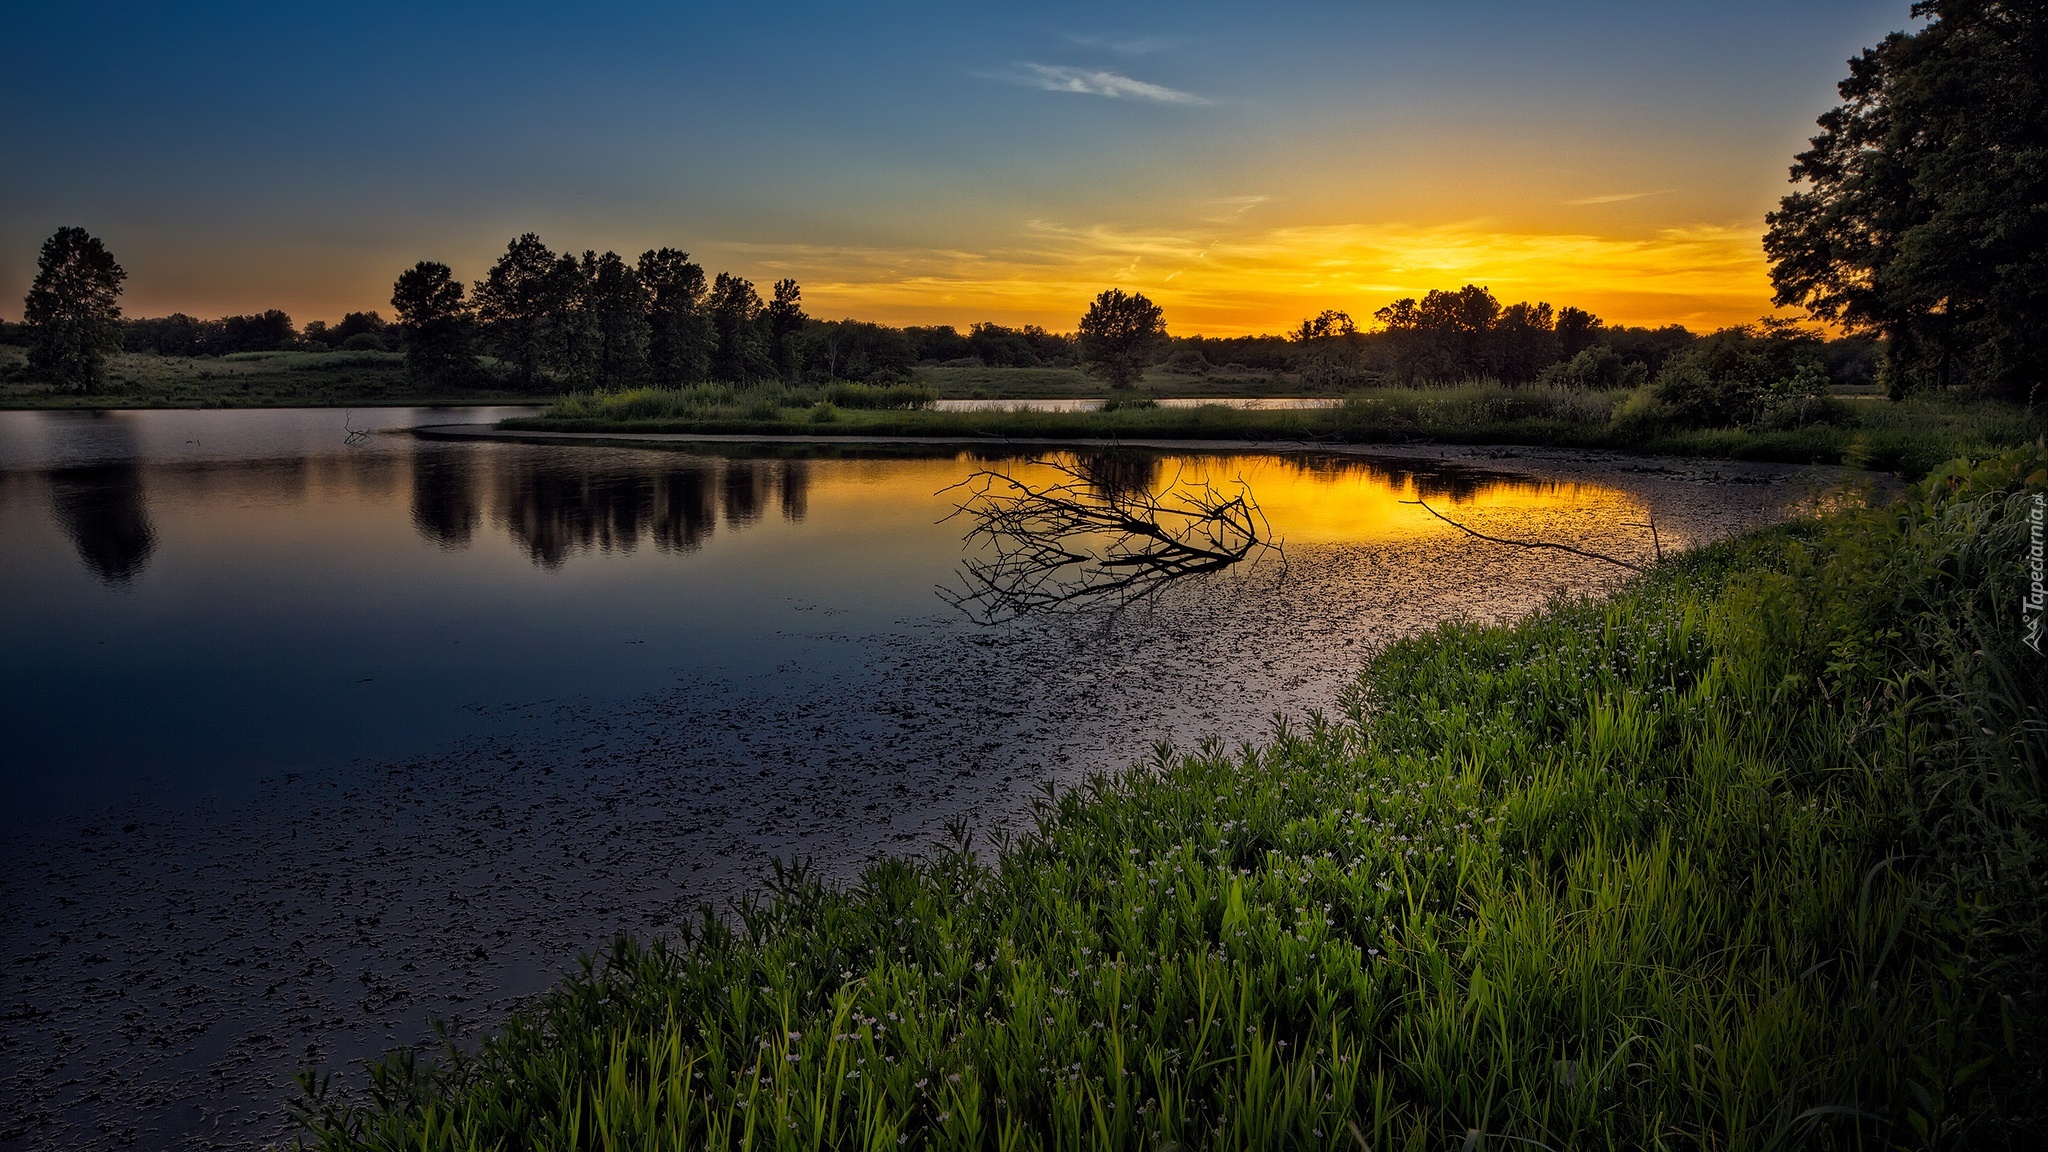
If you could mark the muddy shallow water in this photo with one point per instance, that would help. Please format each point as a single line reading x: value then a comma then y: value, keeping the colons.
x: 313, y: 738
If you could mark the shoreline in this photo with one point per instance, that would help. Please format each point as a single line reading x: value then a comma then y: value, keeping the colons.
x: 1499, y: 457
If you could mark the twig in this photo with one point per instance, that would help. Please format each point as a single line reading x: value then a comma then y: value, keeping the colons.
x: 1526, y: 543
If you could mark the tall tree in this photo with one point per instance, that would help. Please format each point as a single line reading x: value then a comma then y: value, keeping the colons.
x: 1328, y: 349
x: 73, y: 310
x: 735, y: 309
x: 615, y: 317
x: 434, y: 322
x: 680, y: 337
x: 1577, y: 330
x: 1523, y: 342
x: 782, y: 323
x: 1925, y: 213
x: 524, y: 305
x: 1118, y: 335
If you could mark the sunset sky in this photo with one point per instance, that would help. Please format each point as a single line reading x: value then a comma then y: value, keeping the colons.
x: 1244, y: 165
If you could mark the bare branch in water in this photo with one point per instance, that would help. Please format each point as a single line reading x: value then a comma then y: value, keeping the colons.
x: 1079, y: 542
x: 1601, y: 556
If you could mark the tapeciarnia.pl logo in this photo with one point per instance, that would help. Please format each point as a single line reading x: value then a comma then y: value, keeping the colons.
x: 2031, y: 607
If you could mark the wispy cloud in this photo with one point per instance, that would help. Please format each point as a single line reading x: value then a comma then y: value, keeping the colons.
x: 1225, y: 209
x: 1095, y: 82
x: 1618, y: 197
x: 1124, y: 45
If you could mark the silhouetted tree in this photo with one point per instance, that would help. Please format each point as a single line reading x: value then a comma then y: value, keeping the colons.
x: 73, y: 310
x: 1925, y: 217
x: 524, y: 305
x: 939, y: 342
x: 173, y: 335
x: 857, y: 350
x: 358, y: 330
x: 1577, y: 330
x: 679, y: 337
x: 1118, y: 335
x: 735, y: 310
x: 782, y: 325
x: 615, y: 314
x: 434, y: 323
x: 1328, y: 350
x: 269, y: 331
x: 1523, y: 342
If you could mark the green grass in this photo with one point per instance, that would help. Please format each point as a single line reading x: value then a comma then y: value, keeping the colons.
x: 1747, y: 856
x: 1073, y: 383
x: 1909, y: 437
x: 248, y: 380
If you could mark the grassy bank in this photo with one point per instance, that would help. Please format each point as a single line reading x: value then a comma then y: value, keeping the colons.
x: 1073, y: 383
x: 248, y: 380
x: 1909, y: 437
x: 1747, y: 856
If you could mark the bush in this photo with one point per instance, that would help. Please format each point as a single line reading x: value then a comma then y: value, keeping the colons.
x: 1598, y: 368
x: 366, y: 342
x: 881, y: 396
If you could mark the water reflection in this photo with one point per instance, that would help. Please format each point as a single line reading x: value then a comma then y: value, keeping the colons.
x: 101, y: 507
x: 556, y: 505
x: 1120, y: 475
x: 444, y: 499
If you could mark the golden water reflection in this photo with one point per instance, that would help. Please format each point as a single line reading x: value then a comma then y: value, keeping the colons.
x: 557, y: 504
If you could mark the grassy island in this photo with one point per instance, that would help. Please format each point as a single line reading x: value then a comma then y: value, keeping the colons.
x: 1910, y: 436
x: 1747, y: 856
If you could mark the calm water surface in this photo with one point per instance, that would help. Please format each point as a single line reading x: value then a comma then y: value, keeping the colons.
x: 314, y: 736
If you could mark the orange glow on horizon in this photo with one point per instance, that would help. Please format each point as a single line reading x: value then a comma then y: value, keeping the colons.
x: 1704, y: 277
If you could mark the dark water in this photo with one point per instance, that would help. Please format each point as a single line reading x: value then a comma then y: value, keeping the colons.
x: 312, y: 738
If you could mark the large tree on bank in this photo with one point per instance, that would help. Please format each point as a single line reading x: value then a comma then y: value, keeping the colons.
x: 525, y: 305
x: 1925, y: 213
x: 73, y: 310
x: 435, y: 323
x: 1118, y: 335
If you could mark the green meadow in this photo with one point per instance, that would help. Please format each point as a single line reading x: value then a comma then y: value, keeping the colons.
x: 296, y: 379
x: 1748, y: 855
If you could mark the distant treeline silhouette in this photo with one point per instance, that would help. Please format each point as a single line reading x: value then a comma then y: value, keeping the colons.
x: 547, y: 321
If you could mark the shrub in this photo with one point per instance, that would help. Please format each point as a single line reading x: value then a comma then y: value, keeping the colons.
x: 874, y: 396
x: 1598, y: 368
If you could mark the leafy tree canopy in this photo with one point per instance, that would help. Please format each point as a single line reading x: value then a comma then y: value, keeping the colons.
x: 434, y: 319
x: 73, y: 310
x: 1118, y: 333
x: 1924, y: 217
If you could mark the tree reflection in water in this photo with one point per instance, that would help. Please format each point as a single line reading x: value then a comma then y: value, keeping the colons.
x: 555, y: 505
x: 101, y: 507
x: 444, y: 498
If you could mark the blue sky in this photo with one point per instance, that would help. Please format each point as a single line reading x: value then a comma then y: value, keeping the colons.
x: 920, y: 163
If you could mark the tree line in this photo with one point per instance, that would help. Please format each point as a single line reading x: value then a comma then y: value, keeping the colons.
x: 541, y: 320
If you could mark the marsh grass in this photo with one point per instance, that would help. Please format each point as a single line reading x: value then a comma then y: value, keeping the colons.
x: 1909, y: 437
x: 1746, y: 856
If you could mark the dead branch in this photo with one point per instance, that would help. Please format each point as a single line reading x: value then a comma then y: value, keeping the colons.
x: 1080, y: 542
x: 1601, y: 556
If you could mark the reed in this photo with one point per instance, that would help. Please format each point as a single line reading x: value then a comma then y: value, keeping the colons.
x: 1746, y: 856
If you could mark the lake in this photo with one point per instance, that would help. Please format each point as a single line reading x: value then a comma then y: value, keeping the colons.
x: 317, y: 731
